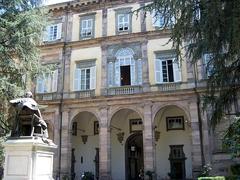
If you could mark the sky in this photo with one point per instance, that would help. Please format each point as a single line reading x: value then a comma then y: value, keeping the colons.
x: 48, y: 2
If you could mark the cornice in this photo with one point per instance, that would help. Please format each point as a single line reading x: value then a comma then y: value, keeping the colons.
x: 109, y: 40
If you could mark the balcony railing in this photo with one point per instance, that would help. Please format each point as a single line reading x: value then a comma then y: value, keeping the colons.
x: 66, y: 95
x: 169, y: 86
x: 123, y: 90
x: 48, y: 96
x: 79, y: 94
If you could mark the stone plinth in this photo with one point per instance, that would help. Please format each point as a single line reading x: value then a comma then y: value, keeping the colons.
x: 28, y: 158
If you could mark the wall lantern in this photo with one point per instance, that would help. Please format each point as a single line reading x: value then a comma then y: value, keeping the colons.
x: 120, y: 137
x: 84, y: 138
x: 157, y: 135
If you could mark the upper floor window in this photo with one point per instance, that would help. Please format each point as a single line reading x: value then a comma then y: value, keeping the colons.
x: 87, y: 24
x: 47, y: 83
x: 53, y: 32
x: 124, y: 71
x: 161, y: 19
x: 207, y: 64
x: 85, y: 76
x: 167, y: 69
x: 123, y: 20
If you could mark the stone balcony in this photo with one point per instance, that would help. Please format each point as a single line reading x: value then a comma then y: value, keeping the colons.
x: 124, y: 90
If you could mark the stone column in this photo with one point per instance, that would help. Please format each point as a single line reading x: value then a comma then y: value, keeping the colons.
x: 148, y: 144
x: 104, y: 145
x: 65, y: 148
x: 196, y: 144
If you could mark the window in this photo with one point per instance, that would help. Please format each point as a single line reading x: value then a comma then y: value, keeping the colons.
x: 161, y: 21
x: 175, y: 123
x: 135, y: 125
x: 124, y: 70
x: 96, y: 128
x: 87, y: 27
x: 207, y: 64
x: 167, y: 69
x: 123, y: 19
x: 123, y: 22
x: 47, y: 83
x: 53, y: 32
x: 85, y: 75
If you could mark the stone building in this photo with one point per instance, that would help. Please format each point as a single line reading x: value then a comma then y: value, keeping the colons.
x: 118, y: 102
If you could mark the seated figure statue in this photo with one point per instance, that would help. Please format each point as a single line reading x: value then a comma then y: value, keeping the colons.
x: 29, y: 121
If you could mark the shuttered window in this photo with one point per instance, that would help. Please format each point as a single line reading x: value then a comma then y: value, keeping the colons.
x: 167, y: 70
x: 84, y: 77
x: 47, y: 83
x: 53, y: 32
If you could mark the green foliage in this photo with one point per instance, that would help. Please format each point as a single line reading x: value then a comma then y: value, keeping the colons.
x: 215, y: 31
x: 21, y: 26
x: 212, y: 178
x: 232, y: 138
x: 88, y: 176
x: 206, y: 170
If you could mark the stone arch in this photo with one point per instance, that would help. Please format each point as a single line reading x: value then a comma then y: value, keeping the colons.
x: 77, y: 112
x: 157, y: 107
x: 119, y: 108
x: 124, y: 52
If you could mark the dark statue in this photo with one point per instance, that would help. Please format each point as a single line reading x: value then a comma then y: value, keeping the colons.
x: 28, y: 121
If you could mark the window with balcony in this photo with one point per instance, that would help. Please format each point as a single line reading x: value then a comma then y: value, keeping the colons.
x: 123, y: 20
x: 87, y: 25
x: 167, y: 69
x: 47, y: 83
x: 53, y: 32
x: 124, y: 71
x: 85, y: 76
x: 161, y: 19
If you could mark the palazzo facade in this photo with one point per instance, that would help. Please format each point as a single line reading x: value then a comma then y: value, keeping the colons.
x: 118, y: 104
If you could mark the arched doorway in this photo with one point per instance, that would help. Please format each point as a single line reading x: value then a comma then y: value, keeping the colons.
x: 134, y: 156
x: 126, y: 131
x: 85, y: 145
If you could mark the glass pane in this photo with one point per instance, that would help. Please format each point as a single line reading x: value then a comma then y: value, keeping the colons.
x: 83, y: 79
x: 87, y: 78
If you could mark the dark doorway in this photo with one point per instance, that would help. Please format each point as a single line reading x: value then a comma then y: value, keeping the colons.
x: 134, y: 157
x: 125, y: 75
x: 177, y: 162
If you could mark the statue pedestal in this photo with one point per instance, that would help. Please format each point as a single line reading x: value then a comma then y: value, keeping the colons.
x: 28, y: 158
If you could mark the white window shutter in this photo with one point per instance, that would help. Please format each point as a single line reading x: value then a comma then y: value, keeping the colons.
x: 40, y: 85
x: 46, y: 34
x: 139, y: 71
x: 132, y: 72
x: 176, y: 71
x: 59, y: 31
x: 55, y: 79
x: 158, y: 71
x: 77, y: 79
x: 117, y: 73
x: 93, y: 77
x: 110, y: 74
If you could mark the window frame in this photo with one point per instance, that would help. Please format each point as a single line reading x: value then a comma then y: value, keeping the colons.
x: 158, y: 67
x: 123, y: 12
x: 84, y: 66
x: 49, y: 82
x: 87, y: 18
x: 174, y: 118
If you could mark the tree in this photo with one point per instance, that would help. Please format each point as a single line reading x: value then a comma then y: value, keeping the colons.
x: 21, y: 27
x: 210, y: 27
x: 207, y: 26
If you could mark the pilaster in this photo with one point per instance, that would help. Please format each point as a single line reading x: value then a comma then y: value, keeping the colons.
x: 104, y: 144
x: 148, y: 144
